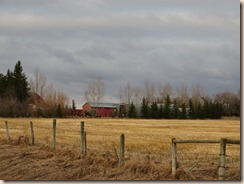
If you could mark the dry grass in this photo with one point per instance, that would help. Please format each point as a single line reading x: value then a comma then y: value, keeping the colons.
x: 148, y: 147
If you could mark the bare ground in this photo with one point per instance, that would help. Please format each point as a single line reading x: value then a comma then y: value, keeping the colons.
x: 20, y: 161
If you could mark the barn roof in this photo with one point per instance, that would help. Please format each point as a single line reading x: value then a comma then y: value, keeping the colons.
x: 104, y: 105
x: 36, y: 100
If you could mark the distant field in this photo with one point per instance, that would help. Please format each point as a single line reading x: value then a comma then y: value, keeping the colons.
x: 144, y: 135
x: 143, y: 139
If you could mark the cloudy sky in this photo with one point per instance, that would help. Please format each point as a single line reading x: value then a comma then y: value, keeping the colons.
x: 163, y: 41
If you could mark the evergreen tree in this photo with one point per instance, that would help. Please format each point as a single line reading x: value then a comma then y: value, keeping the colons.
x: 191, y: 110
x: 216, y: 111
x: 154, y: 111
x: 206, y: 109
x: 175, y: 113
x: 219, y: 110
x: 183, y: 112
x: 21, y: 84
x: 144, y: 109
x: 167, y: 107
x: 132, y: 111
x: 161, y: 112
x: 9, y: 84
x: 2, y: 84
x: 199, y: 111
x: 59, y: 113
x: 73, y: 104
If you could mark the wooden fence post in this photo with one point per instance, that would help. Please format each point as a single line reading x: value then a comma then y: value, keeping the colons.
x: 32, y: 134
x: 83, y: 138
x: 7, y: 132
x: 122, y: 150
x: 174, y: 157
x: 54, y: 133
x: 222, y: 159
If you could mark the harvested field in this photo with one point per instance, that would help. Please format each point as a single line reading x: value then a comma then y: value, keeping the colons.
x: 147, y: 150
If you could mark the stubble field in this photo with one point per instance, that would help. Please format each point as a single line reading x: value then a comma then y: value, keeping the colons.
x: 147, y: 149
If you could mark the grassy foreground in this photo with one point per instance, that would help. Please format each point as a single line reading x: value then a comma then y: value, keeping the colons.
x: 147, y: 142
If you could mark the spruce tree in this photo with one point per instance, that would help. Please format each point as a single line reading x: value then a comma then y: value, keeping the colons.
x: 183, y: 112
x: 199, y: 112
x: 9, y: 83
x: 175, y: 113
x: 21, y: 84
x: 206, y: 109
x: 144, y: 109
x: 216, y: 111
x: 191, y: 110
x: 59, y: 113
x: 132, y: 111
x: 167, y: 107
x: 73, y: 105
x: 2, y: 84
x: 154, y: 111
x: 161, y: 112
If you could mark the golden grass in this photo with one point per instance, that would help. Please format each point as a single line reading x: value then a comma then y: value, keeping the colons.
x: 143, y: 139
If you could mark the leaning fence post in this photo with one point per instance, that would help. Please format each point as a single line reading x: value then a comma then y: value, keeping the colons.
x: 32, y: 134
x: 174, y: 157
x: 54, y: 133
x: 222, y: 159
x: 83, y: 138
x: 7, y: 132
x: 122, y: 150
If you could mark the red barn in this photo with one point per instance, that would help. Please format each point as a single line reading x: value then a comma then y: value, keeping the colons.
x: 101, y: 109
x: 76, y: 112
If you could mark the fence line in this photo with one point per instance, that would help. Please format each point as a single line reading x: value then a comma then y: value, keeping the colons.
x: 174, y: 142
x: 222, y: 154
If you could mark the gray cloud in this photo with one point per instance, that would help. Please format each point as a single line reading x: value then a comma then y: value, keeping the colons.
x: 72, y: 42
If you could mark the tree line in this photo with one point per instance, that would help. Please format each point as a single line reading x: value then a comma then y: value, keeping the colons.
x: 171, y: 110
x: 163, y: 102
x: 36, y: 97
x: 22, y: 98
x: 14, y: 92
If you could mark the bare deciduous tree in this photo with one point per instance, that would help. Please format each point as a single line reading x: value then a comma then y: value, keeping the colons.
x: 164, y: 91
x: 95, y: 90
x: 182, y: 95
x: 126, y: 93
x: 149, y: 91
x: 230, y: 102
x: 196, y: 95
x: 138, y: 95
x: 62, y: 99
x: 38, y: 83
x: 54, y: 98
x: 51, y: 96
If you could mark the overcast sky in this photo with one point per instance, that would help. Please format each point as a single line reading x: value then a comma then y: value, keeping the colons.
x: 163, y: 41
